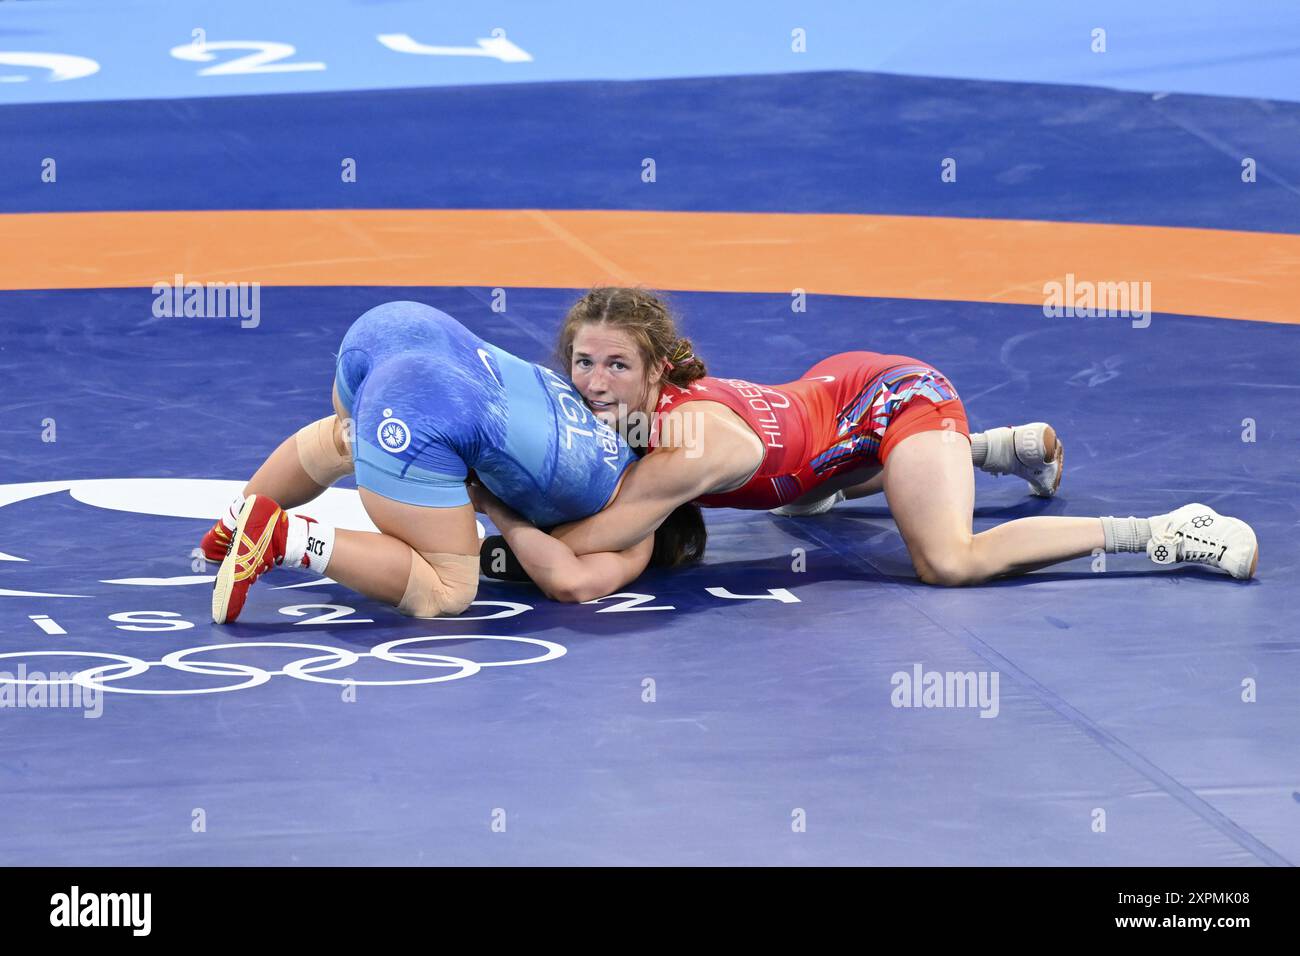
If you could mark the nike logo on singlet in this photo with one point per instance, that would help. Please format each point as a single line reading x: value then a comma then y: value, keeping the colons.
x: 482, y: 353
x: 821, y: 378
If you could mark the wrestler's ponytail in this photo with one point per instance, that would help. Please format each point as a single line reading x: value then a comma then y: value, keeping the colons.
x: 684, y: 366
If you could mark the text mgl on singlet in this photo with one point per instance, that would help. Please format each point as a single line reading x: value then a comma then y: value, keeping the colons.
x: 577, y: 414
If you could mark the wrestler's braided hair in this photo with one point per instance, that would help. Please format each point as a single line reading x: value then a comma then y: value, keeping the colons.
x: 647, y: 318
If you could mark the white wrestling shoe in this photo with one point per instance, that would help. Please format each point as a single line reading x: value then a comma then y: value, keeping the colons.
x: 1197, y: 533
x: 1032, y: 452
x: 819, y: 507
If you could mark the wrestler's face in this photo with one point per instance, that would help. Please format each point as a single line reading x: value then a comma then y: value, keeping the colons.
x: 610, y: 373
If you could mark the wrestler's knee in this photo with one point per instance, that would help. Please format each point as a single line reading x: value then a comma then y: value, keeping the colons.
x: 949, y: 567
x: 322, y: 453
x: 439, y: 585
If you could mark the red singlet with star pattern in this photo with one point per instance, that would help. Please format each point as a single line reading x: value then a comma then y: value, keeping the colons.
x: 845, y: 413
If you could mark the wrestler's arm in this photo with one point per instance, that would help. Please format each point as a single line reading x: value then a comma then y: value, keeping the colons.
x: 652, y: 488
x: 552, y: 565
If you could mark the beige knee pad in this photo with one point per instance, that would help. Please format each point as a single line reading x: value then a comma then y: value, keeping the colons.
x: 319, y: 455
x: 439, y: 584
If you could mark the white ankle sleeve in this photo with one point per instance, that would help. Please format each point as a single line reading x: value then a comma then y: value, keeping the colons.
x: 308, y: 544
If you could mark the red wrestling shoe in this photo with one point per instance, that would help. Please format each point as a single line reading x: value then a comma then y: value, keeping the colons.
x: 215, y: 543
x: 256, y: 546
x: 217, y: 540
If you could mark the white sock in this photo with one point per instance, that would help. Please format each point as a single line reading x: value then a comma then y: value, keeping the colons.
x: 308, y: 544
x: 994, y: 451
x: 1126, y: 534
x: 230, y: 517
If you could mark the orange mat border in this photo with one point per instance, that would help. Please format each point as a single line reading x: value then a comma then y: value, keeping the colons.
x: 1219, y: 273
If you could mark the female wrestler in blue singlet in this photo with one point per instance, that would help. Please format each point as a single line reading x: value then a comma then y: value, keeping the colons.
x: 420, y: 402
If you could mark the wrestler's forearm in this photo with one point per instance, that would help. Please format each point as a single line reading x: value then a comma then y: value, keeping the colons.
x: 651, y: 490
x: 607, y: 531
x: 557, y: 571
x: 548, y: 561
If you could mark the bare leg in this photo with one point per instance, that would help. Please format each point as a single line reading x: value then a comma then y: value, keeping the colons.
x: 875, y: 484
x: 423, y: 560
x: 377, y: 565
x: 930, y: 487
x: 282, y: 476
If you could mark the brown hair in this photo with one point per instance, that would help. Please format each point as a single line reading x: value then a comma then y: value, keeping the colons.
x: 680, y: 539
x: 645, y: 316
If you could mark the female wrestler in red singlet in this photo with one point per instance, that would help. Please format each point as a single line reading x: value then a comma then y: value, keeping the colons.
x: 854, y: 424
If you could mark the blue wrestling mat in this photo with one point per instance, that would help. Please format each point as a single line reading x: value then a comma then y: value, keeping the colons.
x: 767, y: 706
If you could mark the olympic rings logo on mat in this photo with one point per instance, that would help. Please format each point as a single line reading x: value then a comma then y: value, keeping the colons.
x: 393, y: 433
x: 312, y: 668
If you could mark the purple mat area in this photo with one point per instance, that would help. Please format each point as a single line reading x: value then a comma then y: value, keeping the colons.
x: 1141, y: 716
x: 1118, y: 691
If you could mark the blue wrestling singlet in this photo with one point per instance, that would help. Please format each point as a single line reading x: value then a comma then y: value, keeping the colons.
x: 431, y: 400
